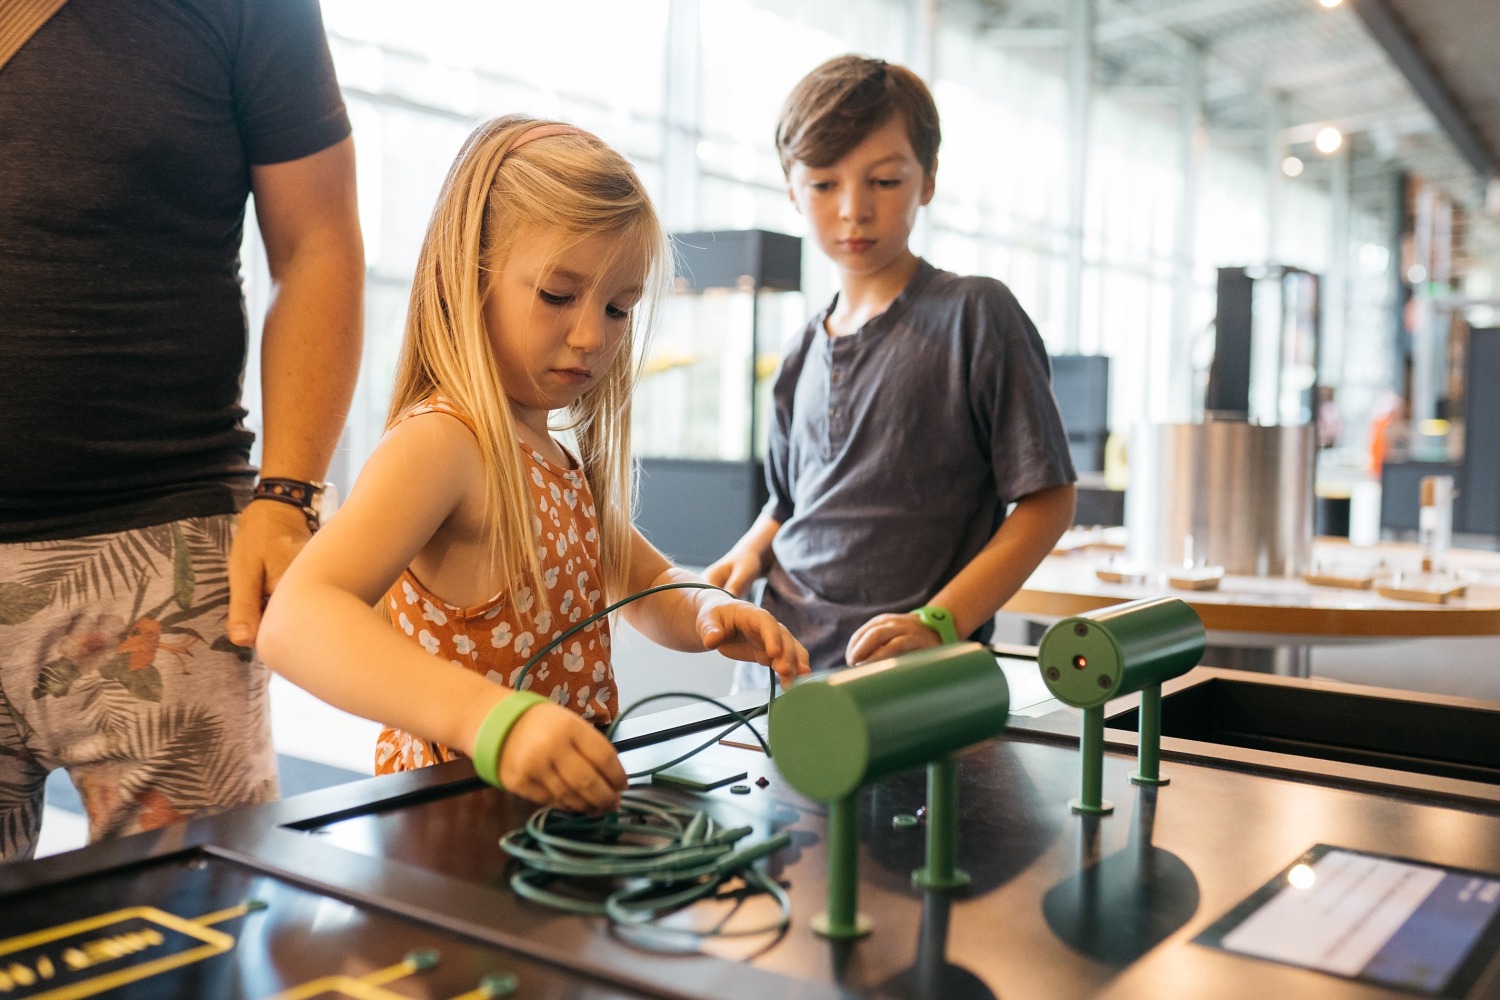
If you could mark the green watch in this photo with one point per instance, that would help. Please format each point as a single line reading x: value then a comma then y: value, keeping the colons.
x: 940, y: 620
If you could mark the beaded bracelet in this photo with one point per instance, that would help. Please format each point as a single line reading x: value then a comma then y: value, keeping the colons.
x: 495, y: 728
x: 300, y: 494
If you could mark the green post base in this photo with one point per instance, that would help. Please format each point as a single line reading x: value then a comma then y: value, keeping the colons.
x: 843, y: 919
x: 1091, y: 760
x: 824, y: 927
x: 1148, y: 759
x: 939, y: 874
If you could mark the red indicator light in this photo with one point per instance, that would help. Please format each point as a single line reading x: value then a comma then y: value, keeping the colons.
x: 1080, y: 663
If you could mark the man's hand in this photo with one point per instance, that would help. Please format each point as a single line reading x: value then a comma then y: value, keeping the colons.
x: 269, y: 535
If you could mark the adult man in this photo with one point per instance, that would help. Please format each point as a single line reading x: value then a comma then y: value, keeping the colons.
x: 130, y: 138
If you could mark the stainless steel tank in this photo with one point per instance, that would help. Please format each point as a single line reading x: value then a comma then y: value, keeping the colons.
x: 1221, y: 493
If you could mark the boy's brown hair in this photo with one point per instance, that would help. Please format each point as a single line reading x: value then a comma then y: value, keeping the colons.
x: 834, y: 107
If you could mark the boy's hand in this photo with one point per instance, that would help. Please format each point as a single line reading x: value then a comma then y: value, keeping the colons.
x: 889, y: 635
x: 553, y: 756
x: 735, y: 571
x: 742, y: 631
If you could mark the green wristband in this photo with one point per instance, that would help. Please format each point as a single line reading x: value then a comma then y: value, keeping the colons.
x: 493, y: 730
x: 940, y: 620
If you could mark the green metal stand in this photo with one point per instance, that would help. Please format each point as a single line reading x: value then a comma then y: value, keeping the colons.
x: 1091, y: 754
x: 1148, y: 760
x: 939, y: 874
x: 843, y: 919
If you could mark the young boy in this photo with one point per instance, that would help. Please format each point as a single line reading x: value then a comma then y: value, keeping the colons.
x: 908, y: 414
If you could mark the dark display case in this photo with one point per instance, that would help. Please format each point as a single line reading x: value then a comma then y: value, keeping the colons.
x: 700, y: 410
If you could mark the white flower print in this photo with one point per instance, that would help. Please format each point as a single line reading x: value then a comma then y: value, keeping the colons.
x: 599, y: 671
x: 570, y: 497
x: 394, y: 605
x: 559, y: 694
x: 588, y: 713
x: 575, y: 614
x: 556, y: 518
x: 536, y: 477
x: 568, y: 566
x: 524, y: 600
x: 543, y: 621
x: 583, y: 695
x: 431, y: 612
x: 542, y: 673
x: 549, y: 577
x: 405, y: 623
x: 603, y: 696
x: 556, y: 493
x: 408, y: 592
x: 573, y: 534
x: 515, y: 678
x: 536, y: 525
x: 428, y: 640
x: 567, y: 602
x: 490, y: 615
x: 604, y: 640
x: 562, y: 546
x: 591, y: 536
x: 524, y: 642
x: 573, y: 659
x: 500, y: 635
x: 465, y: 645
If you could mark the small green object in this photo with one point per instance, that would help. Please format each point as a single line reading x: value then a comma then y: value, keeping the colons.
x: 490, y: 740
x: 421, y: 959
x: 843, y: 919
x: 940, y: 874
x: 255, y: 905
x: 1148, y: 761
x: 499, y: 984
x: 838, y: 730
x: 905, y: 821
x: 940, y: 620
x: 1091, y: 751
x: 1088, y: 659
x: 740, y: 789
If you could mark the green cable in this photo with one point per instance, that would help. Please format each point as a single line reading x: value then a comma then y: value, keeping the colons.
x: 682, y: 855
x: 565, y: 636
x: 689, y: 858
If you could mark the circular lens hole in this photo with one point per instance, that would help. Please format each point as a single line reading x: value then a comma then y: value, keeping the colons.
x: 1080, y: 662
x: 1080, y: 630
x: 1053, y: 673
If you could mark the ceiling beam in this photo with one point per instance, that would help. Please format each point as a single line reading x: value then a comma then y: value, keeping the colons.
x: 1381, y: 21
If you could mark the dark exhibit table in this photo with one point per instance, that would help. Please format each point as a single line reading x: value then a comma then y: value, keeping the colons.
x: 349, y: 892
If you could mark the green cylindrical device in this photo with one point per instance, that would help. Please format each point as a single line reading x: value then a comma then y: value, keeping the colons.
x: 836, y: 731
x: 1093, y: 657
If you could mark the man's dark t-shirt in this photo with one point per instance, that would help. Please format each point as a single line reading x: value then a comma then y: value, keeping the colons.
x: 127, y: 133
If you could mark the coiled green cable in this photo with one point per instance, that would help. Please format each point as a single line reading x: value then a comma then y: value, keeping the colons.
x: 682, y: 853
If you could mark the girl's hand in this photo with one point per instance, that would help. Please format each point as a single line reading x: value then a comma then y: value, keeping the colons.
x: 889, y: 635
x: 742, y: 631
x: 554, y: 757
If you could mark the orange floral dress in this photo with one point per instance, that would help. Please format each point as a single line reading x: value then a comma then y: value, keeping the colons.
x: 496, y: 640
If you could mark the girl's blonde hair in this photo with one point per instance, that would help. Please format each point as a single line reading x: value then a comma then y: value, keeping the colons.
x: 570, y: 184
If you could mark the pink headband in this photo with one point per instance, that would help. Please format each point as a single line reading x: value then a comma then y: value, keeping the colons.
x: 542, y: 131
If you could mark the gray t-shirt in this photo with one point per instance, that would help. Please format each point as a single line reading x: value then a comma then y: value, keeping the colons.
x: 895, y: 451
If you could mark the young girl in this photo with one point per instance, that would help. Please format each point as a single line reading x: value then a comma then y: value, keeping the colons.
x: 477, y: 533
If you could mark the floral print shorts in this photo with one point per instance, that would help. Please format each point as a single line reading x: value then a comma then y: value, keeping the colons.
x: 114, y: 664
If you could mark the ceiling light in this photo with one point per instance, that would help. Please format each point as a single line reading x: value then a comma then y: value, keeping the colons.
x: 1330, y: 4
x: 1329, y: 139
x: 1291, y: 166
